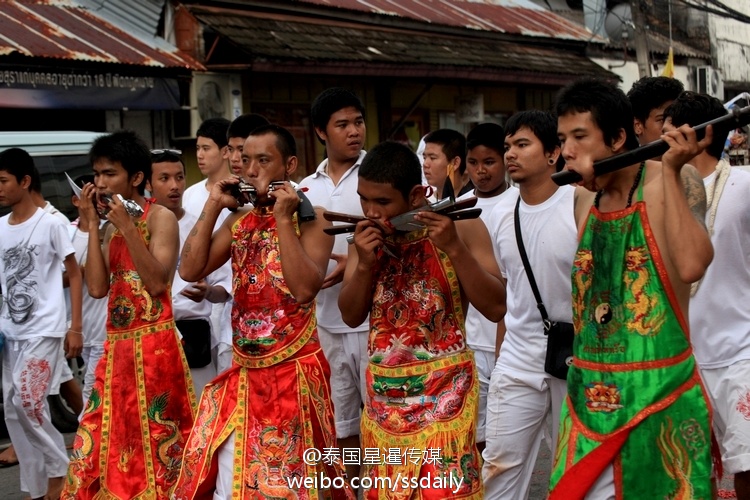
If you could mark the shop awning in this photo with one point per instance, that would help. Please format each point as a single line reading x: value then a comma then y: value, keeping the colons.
x: 61, y: 30
x: 284, y: 43
x: 54, y: 54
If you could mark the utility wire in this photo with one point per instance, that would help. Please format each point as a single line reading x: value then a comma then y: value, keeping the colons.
x: 725, y: 11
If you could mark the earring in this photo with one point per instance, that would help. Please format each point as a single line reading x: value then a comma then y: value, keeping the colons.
x: 551, y: 161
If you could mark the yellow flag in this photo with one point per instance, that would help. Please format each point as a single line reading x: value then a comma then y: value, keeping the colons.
x: 669, y: 67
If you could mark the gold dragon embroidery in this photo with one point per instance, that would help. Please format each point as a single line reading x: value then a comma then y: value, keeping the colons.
x: 151, y: 310
x: 168, y: 451
x: 676, y: 461
x: 636, y: 276
x: 583, y: 266
x: 83, y: 446
x: 276, y: 457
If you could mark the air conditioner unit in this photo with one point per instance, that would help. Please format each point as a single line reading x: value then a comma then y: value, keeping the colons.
x: 212, y: 95
x: 709, y: 81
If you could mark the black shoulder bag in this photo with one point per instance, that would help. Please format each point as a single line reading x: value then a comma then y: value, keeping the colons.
x: 196, y: 336
x: 559, y: 335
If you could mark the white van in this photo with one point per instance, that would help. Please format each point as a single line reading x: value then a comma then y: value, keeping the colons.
x: 55, y: 153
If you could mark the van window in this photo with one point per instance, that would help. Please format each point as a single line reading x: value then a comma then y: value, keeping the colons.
x: 54, y: 154
x: 55, y: 187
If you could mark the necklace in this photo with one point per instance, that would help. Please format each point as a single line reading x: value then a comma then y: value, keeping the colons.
x: 636, y: 181
x: 712, y: 200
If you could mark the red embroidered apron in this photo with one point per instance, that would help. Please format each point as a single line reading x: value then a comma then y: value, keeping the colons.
x: 130, y: 440
x: 422, y: 387
x: 276, y: 397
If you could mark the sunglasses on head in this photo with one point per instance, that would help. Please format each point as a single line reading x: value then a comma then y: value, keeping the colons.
x: 157, y: 152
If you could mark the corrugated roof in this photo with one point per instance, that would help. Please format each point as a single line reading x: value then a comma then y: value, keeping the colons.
x: 659, y: 44
x: 277, y: 43
x: 519, y: 17
x: 62, y: 30
x: 140, y: 15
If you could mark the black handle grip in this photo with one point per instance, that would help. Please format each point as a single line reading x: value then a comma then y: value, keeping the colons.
x: 340, y: 229
x: 723, y: 124
x: 305, y: 211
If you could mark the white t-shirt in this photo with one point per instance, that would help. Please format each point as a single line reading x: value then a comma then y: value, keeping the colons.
x: 183, y: 307
x: 31, y: 256
x: 341, y: 198
x: 550, y: 237
x: 720, y: 309
x: 194, y: 199
x: 50, y: 209
x: 94, y: 311
x: 481, y: 332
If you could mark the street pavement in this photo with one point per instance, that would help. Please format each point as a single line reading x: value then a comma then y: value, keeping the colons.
x: 10, y: 481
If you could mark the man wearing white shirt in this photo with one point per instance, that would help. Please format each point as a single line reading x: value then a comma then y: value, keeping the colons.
x: 338, y: 118
x: 212, y: 152
x: 719, y: 313
x: 191, y: 302
x: 522, y: 396
x: 486, y: 169
x: 34, y: 246
x: 94, y: 310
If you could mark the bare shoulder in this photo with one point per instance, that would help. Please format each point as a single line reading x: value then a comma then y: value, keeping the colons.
x: 109, y: 230
x: 160, y: 217
x: 472, y: 230
x: 695, y: 192
x: 583, y: 200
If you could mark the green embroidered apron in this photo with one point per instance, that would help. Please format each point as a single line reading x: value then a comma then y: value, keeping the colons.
x: 635, y: 399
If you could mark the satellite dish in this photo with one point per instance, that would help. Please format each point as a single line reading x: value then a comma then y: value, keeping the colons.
x: 210, y: 101
x: 619, y: 23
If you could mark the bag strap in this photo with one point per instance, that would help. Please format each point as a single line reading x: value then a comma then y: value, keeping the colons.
x: 527, y: 268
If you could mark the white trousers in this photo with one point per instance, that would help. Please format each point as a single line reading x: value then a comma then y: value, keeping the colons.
x: 29, y: 366
x: 202, y: 376
x: 519, y: 405
x: 91, y: 356
x: 346, y: 354
x: 604, y: 487
x: 224, y: 477
x: 729, y: 390
x: 485, y: 362
x: 221, y: 357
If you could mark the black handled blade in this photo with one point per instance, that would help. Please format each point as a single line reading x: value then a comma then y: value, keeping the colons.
x: 737, y: 118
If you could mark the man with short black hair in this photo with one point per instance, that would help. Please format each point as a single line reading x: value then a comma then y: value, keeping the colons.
x: 719, y: 312
x: 649, y: 97
x: 634, y: 384
x: 486, y: 169
x: 522, y: 395
x: 237, y: 132
x: 258, y: 420
x: 211, y: 143
x: 34, y: 246
x: 415, y: 286
x: 338, y: 117
x: 132, y: 433
x: 191, y: 302
x: 445, y: 162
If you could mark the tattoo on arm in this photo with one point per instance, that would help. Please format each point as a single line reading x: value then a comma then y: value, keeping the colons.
x: 186, y: 249
x: 193, y: 231
x: 202, y: 215
x: 695, y: 192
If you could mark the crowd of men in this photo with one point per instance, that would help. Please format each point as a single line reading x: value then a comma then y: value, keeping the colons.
x: 236, y: 349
